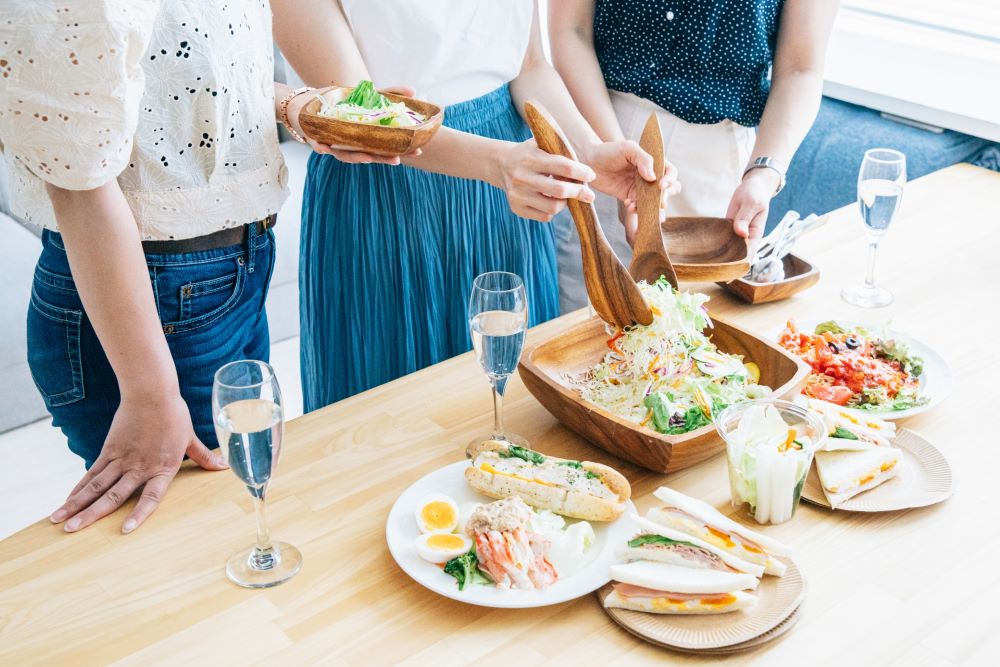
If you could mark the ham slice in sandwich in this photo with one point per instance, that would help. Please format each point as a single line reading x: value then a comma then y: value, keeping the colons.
x: 699, y: 519
x: 666, y: 545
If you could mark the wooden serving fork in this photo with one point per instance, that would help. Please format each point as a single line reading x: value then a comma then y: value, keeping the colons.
x: 614, y: 294
x: 649, y: 252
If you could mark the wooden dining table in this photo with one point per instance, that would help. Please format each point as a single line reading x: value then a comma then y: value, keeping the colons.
x: 916, y: 587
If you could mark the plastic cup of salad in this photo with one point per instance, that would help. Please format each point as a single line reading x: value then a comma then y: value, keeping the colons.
x: 769, y: 446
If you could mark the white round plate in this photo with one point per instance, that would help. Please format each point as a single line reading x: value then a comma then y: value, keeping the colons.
x: 401, y: 531
x: 935, y: 381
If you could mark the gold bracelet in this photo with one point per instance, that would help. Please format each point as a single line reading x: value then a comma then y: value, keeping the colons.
x: 283, y: 111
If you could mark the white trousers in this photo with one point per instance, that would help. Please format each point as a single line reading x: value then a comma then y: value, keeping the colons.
x: 710, y: 160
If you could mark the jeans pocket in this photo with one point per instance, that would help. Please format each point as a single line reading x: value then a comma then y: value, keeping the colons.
x: 54, y: 356
x: 194, y: 295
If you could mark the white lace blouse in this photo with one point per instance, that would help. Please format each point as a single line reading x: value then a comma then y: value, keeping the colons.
x: 175, y: 98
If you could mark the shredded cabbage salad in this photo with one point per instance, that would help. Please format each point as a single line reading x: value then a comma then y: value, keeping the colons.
x: 668, y: 375
x: 367, y: 105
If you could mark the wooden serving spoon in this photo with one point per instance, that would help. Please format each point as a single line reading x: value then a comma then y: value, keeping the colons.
x: 611, y: 289
x: 649, y: 252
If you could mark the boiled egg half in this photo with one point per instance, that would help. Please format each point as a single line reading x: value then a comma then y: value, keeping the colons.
x: 442, y: 547
x: 437, y: 513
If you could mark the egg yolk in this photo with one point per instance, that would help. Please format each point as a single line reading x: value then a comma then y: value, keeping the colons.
x: 438, y: 515
x: 445, y: 541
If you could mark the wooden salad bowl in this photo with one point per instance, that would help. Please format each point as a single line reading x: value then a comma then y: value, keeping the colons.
x: 800, y: 275
x: 546, y: 370
x: 706, y: 249
x: 375, y: 139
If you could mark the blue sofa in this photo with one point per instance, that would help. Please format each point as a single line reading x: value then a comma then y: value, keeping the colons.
x: 823, y: 175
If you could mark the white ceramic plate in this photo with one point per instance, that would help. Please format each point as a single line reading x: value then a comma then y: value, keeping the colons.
x: 935, y: 381
x: 401, y: 531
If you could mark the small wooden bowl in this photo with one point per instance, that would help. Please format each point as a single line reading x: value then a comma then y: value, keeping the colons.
x: 375, y: 139
x: 547, y: 367
x: 800, y: 275
x: 706, y: 249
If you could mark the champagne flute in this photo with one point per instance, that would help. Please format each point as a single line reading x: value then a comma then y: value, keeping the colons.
x: 498, y: 318
x: 880, y: 192
x: 249, y: 422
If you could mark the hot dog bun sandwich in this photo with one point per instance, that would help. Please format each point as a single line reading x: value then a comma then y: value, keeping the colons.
x: 666, y: 545
x: 699, y: 519
x: 660, y: 588
x: 578, y: 489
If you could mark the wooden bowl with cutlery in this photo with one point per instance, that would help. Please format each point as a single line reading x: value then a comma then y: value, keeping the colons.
x: 800, y: 275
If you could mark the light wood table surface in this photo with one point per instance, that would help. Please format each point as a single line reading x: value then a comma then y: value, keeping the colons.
x: 908, y: 588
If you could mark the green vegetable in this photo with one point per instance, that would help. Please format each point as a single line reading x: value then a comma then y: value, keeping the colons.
x: 513, y: 451
x: 693, y: 418
x: 571, y: 464
x: 829, y: 326
x: 664, y: 284
x: 718, y: 405
x: 642, y: 540
x: 898, y: 351
x: 465, y: 569
x: 592, y: 475
x: 662, y: 409
x: 364, y: 95
x: 841, y: 432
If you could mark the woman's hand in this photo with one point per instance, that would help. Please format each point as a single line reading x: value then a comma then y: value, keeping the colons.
x: 298, y: 102
x: 751, y: 201
x: 617, y: 163
x: 528, y: 175
x: 145, y: 447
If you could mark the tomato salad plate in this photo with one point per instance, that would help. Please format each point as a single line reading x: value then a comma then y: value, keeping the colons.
x: 505, y: 529
x: 885, y: 373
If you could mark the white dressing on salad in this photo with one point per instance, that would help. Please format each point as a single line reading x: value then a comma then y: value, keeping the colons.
x: 568, y: 545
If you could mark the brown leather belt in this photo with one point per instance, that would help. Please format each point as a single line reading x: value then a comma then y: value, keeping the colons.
x: 220, y: 239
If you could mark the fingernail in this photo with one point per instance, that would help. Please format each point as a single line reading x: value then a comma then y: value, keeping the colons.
x: 220, y: 461
x: 588, y: 195
x: 128, y: 526
x: 72, y: 524
x: 58, y: 515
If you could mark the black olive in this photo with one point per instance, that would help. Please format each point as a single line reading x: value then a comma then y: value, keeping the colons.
x: 834, y: 347
x: 852, y: 343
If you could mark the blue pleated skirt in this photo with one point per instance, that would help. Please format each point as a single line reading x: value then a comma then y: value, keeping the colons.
x: 388, y: 256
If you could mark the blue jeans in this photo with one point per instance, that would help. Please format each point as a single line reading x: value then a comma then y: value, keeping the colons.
x: 211, y: 306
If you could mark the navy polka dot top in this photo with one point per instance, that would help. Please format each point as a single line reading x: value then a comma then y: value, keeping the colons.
x: 702, y: 60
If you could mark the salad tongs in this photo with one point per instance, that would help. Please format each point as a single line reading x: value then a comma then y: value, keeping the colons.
x: 649, y: 252
x: 612, y: 291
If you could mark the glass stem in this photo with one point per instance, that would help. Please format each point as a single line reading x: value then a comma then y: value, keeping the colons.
x: 263, y: 556
x: 872, y: 252
x: 497, y: 412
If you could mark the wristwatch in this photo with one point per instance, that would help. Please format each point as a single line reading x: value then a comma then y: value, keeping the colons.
x: 767, y: 163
